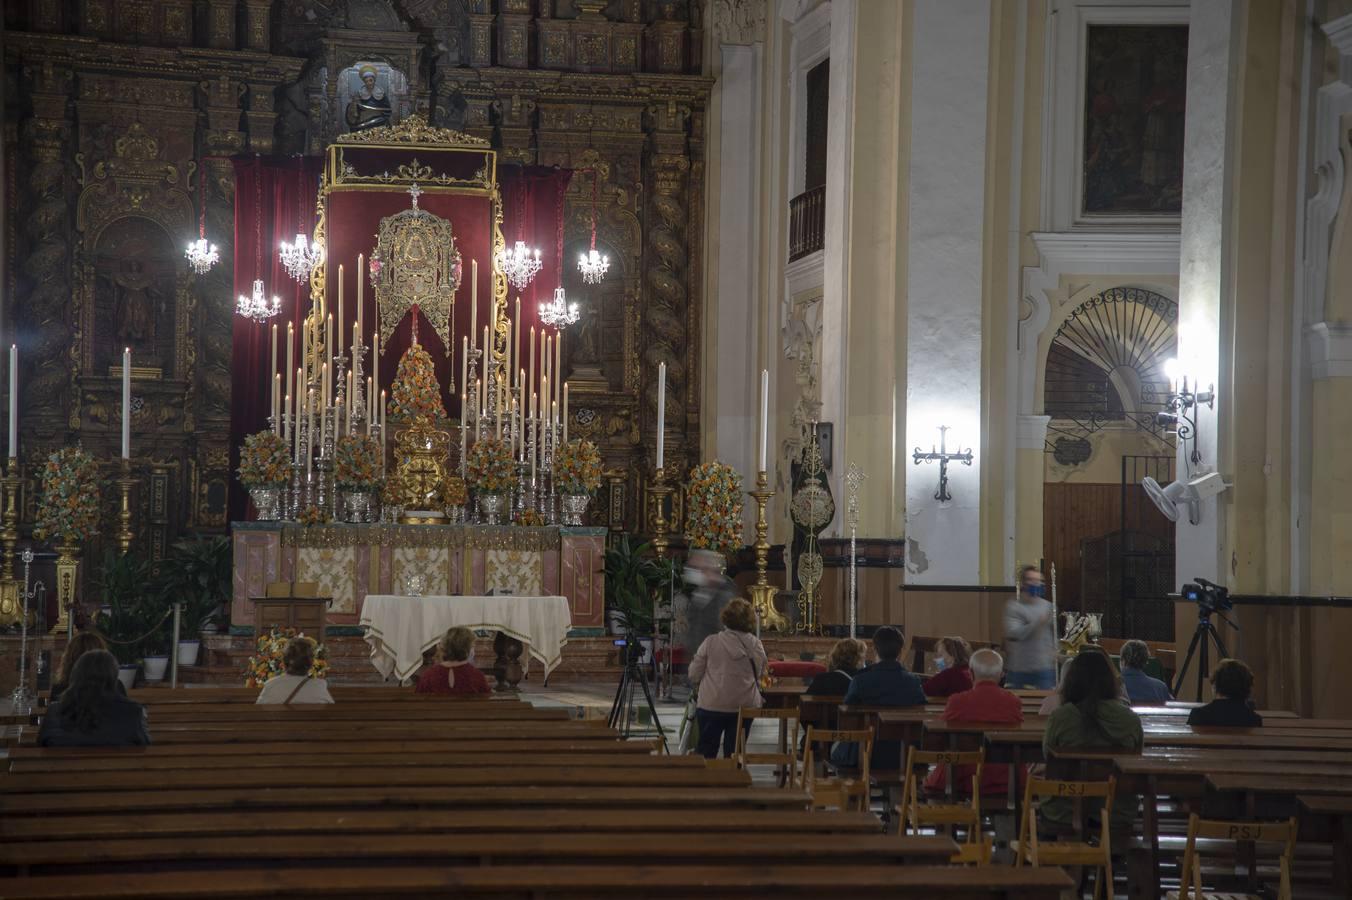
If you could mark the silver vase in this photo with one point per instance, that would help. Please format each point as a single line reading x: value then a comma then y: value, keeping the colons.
x: 266, y: 500
x: 573, y: 507
x: 491, y: 507
x: 359, y: 505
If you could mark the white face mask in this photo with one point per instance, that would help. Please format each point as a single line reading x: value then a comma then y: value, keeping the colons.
x: 694, y: 577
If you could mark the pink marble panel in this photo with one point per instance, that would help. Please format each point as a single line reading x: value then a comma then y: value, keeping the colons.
x: 257, y: 563
x: 581, y: 580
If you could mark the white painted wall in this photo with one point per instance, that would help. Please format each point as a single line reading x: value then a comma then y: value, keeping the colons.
x: 943, y: 349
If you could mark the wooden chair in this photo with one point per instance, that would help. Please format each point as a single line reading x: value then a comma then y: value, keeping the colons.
x: 787, y: 755
x: 915, y: 814
x: 1030, y: 851
x: 1190, y: 877
x: 845, y: 791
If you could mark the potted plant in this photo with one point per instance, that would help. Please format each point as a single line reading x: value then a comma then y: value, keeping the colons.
x: 197, y: 575
x: 634, y: 577
x: 577, y: 472
x: 121, y: 582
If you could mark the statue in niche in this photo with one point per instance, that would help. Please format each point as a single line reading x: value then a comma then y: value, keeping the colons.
x: 370, y: 104
x: 135, y: 304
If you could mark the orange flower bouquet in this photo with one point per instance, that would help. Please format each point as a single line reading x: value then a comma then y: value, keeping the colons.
x: 489, y: 467
x: 416, y: 393
x: 713, y: 508
x: 577, y: 467
x: 68, y: 508
x: 356, y: 463
x: 267, y: 662
x: 264, y: 461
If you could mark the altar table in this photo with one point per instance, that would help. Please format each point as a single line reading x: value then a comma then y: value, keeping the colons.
x: 351, y: 562
x: 401, y: 629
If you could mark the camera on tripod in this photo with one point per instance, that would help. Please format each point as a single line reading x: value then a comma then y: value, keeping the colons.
x: 1209, y: 597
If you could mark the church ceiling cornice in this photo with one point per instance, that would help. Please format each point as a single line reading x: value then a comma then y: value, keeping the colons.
x: 180, y: 62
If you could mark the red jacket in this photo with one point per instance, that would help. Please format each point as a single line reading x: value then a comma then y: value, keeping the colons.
x: 949, y: 682
x: 462, y: 679
x: 986, y: 702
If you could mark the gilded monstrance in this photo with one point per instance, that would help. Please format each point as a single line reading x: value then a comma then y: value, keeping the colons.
x: 415, y: 263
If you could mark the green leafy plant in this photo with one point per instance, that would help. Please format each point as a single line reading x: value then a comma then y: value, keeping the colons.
x: 197, y: 574
x: 122, y: 583
x: 634, y: 576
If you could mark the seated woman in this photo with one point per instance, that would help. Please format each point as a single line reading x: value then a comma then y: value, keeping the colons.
x: 953, y: 656
x: 91, y: 711
x: 1143, y: 689
x: 453, y: 672
x: 1233, y: 682
x: 83, y: 642
x: 1091, y: 716
x: 297, y: 685
x: 847, y: 658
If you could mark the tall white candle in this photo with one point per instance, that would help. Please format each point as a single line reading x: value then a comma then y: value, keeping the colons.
x: 548, y: 360
x: 14, y: 402
x: 382, y: 432
x: 509, y: 372
x: 375, y: 360
x: 370, y: 405
x: 361, y: 285
x: 764, y: 416
x: 273, y: 366
x: 535, y: 435
x: 290, y: 363
x: 126, y: 403
x: 286, y: 420
x: 497, y: 401
x: 328, y: 342
x: 558, y: 365
x: 565, y: 412
x: 661, y: 413
x: 488, y: 355
x: 554, y: 426
x: 464, y: 441
x: 351, y: 398
x: 516, y: 341
x: 309, y: 432
x: 277, y: 404
x: 464, y: 373
x: 530, y: 384
x: 540, y: 416
x: 339, y: 349
x: 474, y: 301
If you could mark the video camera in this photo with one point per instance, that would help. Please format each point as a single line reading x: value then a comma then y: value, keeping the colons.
x: 1209, y: 597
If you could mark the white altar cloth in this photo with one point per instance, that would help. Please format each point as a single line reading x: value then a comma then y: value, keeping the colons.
x: 400, y: 629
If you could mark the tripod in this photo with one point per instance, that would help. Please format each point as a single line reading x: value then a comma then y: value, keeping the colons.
x: 622, y: 710
x: 1203, y: 636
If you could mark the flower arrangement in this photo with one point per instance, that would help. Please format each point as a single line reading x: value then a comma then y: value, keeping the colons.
x: 713, y: 508
x: 490, y: 468
x: 267, y: 662
x: 69, y: 506
x: 453, y: 492
x: 312, y: 515
x: 356, y: 463
x: 264, y: 460
x: 416, y: 393
x: 528, y: 518
x: 577, y: 467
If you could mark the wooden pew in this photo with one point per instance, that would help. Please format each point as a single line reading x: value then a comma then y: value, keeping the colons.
x: 350, y: 744
x: 356, y: 799
x: 496, y: 848
x: 506, y: 731
x: 1329, y: 817
x: 453, y: 758
x: 184, y: 713
x: 755, y: 882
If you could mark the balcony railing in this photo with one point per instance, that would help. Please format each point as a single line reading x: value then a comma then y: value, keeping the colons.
x: 807, y: 223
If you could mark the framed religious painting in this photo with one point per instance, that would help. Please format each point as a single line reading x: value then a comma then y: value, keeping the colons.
x: 1131, y: 135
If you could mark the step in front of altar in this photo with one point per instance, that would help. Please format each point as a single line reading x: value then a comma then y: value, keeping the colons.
x: 589, y: 658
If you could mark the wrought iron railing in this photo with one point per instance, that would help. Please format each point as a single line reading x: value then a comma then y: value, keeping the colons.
x: 807, y: 223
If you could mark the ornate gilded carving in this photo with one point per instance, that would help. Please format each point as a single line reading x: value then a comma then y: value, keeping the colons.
x: 422, y: 452
x: 419, y: 266
x: 413, y: 130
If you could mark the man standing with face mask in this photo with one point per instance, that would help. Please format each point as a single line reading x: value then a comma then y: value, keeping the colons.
x: 1030, y: 636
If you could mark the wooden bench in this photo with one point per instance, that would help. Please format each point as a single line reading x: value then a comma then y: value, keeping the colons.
x: 574, y: 731
x: 451, y: 758
x: 496, y: 848
x: 338, y: 746
x: 756, y: 882
x: 180, y: 713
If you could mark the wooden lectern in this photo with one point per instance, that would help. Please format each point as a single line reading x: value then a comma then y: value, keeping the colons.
x: 292, y: 604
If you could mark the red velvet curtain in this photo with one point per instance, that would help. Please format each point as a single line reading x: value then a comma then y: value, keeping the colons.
x: 274, y: 199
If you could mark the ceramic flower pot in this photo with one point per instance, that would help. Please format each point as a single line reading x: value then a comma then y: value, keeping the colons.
x: 155, y: 667
x: 573, y: 507
x: 491, y: 508
x: 187, y: 652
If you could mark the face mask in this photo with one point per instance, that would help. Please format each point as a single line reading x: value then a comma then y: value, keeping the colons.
x: 940, y: 664
x: 1034, y: 590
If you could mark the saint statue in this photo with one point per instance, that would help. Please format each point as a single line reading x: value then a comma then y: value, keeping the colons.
x: 370, y: 106
x: 134, y: 305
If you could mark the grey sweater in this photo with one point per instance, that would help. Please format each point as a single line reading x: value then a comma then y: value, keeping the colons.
x: 1030, y: 642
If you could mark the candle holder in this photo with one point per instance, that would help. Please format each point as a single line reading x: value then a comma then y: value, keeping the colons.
x: 124, y: 484
x: 9, y: 584
x: 762, y: 592
x: 659, y: 490
x: 358, y: 417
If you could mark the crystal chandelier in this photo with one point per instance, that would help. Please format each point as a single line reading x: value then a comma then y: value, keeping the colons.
x: 257, y: 306
x: 520, y: 264
x: 591, y: 264
x: 559, y: 312
x: 201, y: 253
x: 300, y: 257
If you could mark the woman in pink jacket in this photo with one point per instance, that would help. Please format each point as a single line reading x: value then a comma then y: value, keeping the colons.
x: 727, y: 670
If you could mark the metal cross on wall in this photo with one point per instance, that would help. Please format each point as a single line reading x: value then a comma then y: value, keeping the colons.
x: 944, y: 458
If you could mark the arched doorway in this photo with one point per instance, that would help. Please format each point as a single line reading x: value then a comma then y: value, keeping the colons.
x: 1104, y: 385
